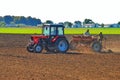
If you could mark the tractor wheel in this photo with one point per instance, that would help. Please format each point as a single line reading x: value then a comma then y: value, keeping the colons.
x: 62, y: 45
x: 96, y: 46
x: 30, y: 48
x: 38, y: 48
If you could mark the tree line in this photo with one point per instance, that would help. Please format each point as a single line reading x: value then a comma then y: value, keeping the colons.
x: 14, y: 21
x: 21, y: 21
x: 86, y: 23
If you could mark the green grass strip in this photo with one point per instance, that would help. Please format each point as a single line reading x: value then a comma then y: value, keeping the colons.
x: 67, y: 30
x: 21, y: 30
x: 92, y: 30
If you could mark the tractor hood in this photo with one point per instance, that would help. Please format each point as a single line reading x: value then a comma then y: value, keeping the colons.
x: 39, y: 36
x: 36, y: 38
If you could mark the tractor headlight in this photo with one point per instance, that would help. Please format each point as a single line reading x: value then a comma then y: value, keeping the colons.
x: 31, y: 41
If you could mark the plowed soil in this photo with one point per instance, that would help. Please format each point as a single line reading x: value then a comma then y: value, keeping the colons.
x: 18, y: 64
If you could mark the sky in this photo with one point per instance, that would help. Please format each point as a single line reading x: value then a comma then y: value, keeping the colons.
x: 100, y: 11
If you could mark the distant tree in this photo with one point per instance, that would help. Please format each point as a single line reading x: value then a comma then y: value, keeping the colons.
x: 114, y: 25
x: 29, y: 20
x: 77, y: 24
x: 8, y: 19
x: 49, y: 22
x: 16, y: 19
x: 96, y: 25
x: 39, y: 21
x: 2, y: 24
x: 22, y: 20
x: 68, y: 24
x: 36, y: 22
x: 102, y: 25
x: 119, y: 22
x: 88, y: 21
x: 61, y: 23
x: 1, y: 18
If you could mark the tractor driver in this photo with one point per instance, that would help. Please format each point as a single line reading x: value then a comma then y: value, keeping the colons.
x: 100, y: 37
x: 87, y: 33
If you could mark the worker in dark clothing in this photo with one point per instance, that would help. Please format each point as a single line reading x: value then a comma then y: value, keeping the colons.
x: 100, y: 37
x: 87, y: 33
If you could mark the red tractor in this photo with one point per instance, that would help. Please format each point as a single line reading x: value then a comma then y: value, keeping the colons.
x: 52, y: 39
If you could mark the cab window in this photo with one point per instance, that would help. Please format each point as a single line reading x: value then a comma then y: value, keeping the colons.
x: 60, y: 31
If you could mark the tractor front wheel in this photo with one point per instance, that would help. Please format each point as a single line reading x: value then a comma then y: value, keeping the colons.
x: 62, y: 45
x: 38, y: 48
x: 30, y: 48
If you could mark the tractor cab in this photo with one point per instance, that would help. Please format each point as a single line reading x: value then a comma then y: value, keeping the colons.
x: 53, y: 30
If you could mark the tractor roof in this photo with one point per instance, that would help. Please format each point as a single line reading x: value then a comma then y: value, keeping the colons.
x: 54, y: 25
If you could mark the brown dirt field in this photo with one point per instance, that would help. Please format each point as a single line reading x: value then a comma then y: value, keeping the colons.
x: 18, y: 64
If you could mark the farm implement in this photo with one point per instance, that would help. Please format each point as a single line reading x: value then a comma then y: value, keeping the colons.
x: 94, y: 42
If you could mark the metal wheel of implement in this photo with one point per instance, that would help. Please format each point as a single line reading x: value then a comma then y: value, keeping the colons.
x: 96, y: 46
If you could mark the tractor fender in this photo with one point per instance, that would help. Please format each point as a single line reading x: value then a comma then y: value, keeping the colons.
x: 57, y: 37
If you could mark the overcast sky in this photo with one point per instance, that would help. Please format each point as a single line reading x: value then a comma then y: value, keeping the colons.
x: 101, y: 11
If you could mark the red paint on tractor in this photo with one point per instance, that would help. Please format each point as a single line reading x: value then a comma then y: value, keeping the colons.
x: 54, y: 39
x: 36, y: 38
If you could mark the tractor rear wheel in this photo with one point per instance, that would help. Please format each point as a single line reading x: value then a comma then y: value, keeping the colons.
x: 62, y: 45
x: 96, y: 46
x: 38, y: 48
